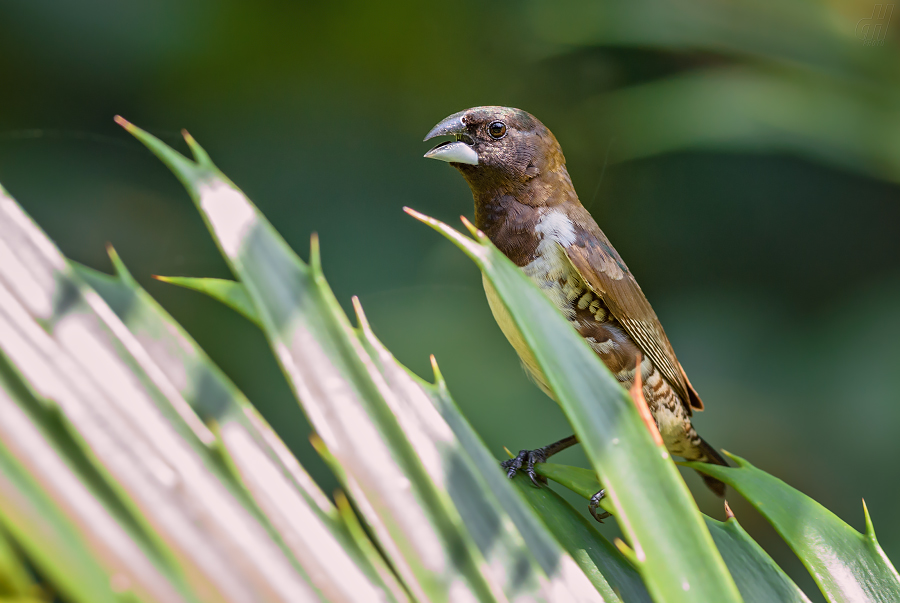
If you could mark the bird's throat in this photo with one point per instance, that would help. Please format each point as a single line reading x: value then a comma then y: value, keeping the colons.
x: 508, y: 212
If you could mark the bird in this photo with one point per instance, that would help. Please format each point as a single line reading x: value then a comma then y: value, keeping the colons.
x: 527, y: 206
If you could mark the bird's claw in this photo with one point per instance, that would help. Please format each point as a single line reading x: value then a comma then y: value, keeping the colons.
x: 595, y: 504
x: 525, y: 460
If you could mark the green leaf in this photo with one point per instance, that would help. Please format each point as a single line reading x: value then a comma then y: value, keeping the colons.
x: 847, y: 566
x: 687, y: 111
x: 230, y: 293
x: 15, y: 579
x: 506, y: 532
x: 497, y: 505
x: 673, y: 548
x: 577, y: 479
x: 343, y: 394
x: 294, y: 505
x: 599, y: 559
x: 757, y: 577
x: 144, y: 441
x: 784, y: 57
x: 770, y: 31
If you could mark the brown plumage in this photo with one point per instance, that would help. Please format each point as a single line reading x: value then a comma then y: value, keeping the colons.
x: 526, y: 204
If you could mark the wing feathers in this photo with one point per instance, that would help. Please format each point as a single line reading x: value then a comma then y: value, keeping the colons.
x: 606, y: 274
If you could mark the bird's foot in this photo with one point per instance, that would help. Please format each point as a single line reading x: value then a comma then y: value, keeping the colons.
x: 526, y: 460
x: 594, y: 505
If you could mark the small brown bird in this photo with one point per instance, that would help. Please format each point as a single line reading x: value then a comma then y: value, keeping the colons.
x: 526, y: 204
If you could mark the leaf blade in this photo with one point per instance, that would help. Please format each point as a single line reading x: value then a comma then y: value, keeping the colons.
x: 675, y: 552
x: 593, y: 553
x: 847, y: 566
x: 230, y: 293
x: 756, y: 575
x: 340, y: 390
x: 297, y: 509
x: 506, y: 533
x: 134, y: 426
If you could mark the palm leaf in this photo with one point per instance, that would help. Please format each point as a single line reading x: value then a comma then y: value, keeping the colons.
x: 847, y: 566
x: 348, y: 400
x: 672, y: 547
x: 305, y: 519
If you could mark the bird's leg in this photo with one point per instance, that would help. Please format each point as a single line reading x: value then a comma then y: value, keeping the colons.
x: 595, y: 504
x: 526, y: 459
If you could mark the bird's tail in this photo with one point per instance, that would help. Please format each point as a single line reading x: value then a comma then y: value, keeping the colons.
x: 708, y: 454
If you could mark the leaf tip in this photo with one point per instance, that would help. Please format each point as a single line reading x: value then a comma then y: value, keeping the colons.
x: 200, y: 155
x: 315, y: 257
x: 472, y: 248
x: 738, y: 460
x: 123, y: 122
x: 118, y: 264
x: 186, y: 170
x: 435, y: 369
x: 729, y: 514
x: 870, y: 529
x: 317, y: 443
x: 508, y: 452
x: 178, y: 281
x: 360, y: 315
x: 471, y: 228
x: 626, y: 550
x: 422, y: 217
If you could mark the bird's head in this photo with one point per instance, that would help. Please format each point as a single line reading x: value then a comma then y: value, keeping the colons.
x: 497, y: 149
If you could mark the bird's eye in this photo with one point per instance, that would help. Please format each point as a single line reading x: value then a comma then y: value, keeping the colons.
x: 497, y: 130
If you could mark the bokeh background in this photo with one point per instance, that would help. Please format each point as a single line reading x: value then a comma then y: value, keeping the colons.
x: 743, y: 156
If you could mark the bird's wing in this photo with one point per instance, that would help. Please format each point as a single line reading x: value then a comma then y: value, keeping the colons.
x: 603, y: 270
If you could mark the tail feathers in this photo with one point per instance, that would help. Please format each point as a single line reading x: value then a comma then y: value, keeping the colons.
x: 708, y: 454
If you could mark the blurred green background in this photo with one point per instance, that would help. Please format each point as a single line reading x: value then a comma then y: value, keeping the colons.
x: 749, y: 153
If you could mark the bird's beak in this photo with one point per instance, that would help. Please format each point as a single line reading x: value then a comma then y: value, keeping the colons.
x: 458, y: 151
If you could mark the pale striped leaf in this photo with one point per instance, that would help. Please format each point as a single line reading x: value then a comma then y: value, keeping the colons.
x: 519, y: 549
x: 298, y: 510
x: 78, y: 357
x: 343, y: 394
x: 497, y: 508
x: 72, y: 527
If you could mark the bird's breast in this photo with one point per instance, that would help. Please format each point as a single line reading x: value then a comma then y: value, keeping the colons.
x: 549, y: 268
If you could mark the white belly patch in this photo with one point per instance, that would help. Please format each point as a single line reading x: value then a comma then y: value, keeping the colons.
x: 549, y: 270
